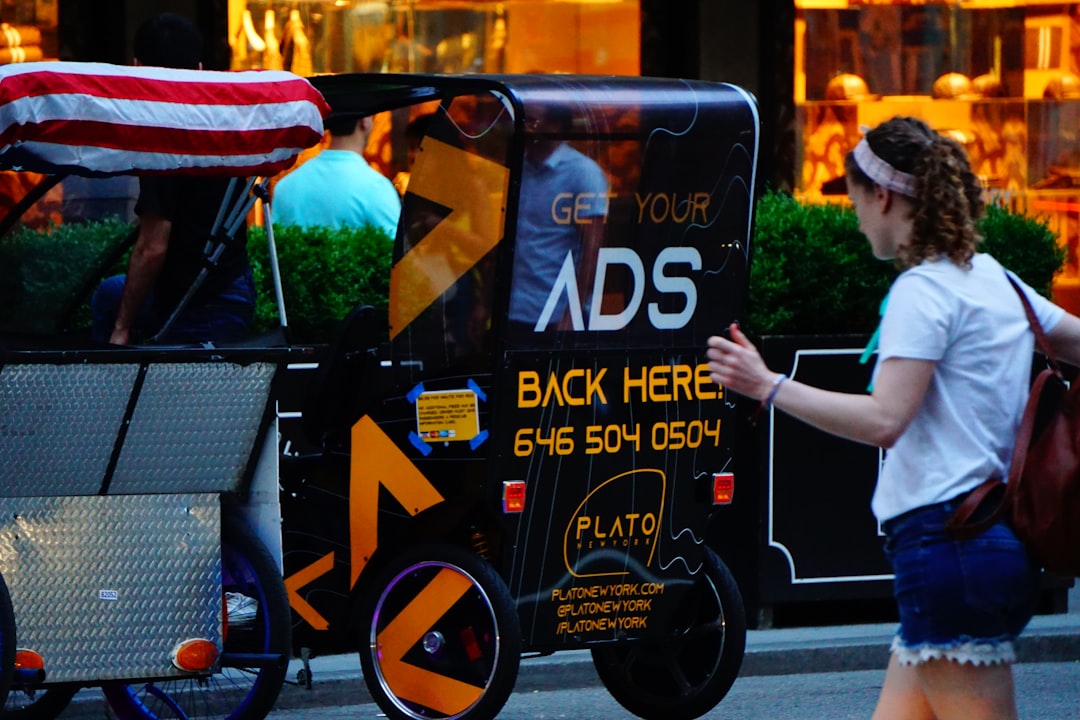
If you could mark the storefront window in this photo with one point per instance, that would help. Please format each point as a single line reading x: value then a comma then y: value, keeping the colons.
x: 332, y: 36
x: 1003, y: 79
x: 28, y: 34
x: 27, y: 30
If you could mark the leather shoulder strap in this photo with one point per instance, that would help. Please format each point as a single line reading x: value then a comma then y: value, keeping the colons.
x: 960, y: 525
x: 1036, y: 327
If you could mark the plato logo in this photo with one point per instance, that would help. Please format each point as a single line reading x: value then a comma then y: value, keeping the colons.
x: 619, y: 519
x: 664, y: 277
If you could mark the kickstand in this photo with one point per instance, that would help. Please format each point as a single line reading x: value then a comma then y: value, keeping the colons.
x: 303, y: 675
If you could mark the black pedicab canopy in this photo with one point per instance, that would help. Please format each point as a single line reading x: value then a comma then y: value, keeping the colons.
x: 674, y: 162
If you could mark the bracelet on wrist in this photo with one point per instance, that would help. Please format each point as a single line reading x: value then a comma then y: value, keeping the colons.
x: 775, y: 388
x: 767, y: 400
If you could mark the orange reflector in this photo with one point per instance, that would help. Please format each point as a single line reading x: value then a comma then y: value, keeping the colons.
x: 195, y: 655
x: 28, y: 660
x: 513, y: 496
x: 723, y: 488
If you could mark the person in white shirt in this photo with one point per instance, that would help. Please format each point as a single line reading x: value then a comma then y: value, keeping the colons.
x: 950, y: 384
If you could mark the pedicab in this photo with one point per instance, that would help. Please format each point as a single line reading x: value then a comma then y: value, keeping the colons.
x: 140, y: 525
x: 522, y: 454
x: 462, y: 484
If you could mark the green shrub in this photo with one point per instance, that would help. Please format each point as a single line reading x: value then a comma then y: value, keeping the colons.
x: 1024, y: 244
x: 49, y: 275
x: 325, y: 273
x: 812, y: 270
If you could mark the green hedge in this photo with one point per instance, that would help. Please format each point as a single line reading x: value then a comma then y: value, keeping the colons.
x: 325, y: 273
x: 1025, y: 245
x: 812, y: 270
x: 48, y: 275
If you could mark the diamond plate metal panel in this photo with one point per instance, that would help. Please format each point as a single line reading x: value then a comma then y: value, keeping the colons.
x: 105, y: 587
x: 194, y: 428
x: 58, y: 426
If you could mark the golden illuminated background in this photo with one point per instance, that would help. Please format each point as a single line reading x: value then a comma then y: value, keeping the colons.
x: 1002, y: 78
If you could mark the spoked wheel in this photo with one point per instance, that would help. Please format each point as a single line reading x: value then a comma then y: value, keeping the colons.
x: 441, y: 638
x: 257, y: 628
x: 689, y: 672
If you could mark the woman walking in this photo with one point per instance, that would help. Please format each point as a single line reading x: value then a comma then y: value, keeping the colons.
x: 949, y: 388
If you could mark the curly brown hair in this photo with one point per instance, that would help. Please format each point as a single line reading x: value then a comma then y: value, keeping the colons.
x: 948, y: 198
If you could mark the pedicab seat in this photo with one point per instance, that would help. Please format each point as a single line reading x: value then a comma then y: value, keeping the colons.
x: 342, y: 384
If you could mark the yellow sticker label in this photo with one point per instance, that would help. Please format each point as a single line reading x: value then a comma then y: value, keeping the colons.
x: 447, y: 416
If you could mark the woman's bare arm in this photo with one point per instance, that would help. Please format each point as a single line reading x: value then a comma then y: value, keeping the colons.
x: 877, y: 419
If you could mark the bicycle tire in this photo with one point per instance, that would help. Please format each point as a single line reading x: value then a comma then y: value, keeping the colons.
x: 688, y: 673
x: 7, y: 641
x: 36, y: 703
x: 471, y: 647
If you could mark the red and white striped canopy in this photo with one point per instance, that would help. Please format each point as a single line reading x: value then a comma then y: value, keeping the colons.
x: 100, y: 119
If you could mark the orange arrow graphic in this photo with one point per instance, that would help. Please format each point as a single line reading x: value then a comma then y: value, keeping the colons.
x: 299, y: 579
x: 448, y: 251
x: 413, y: 684
x: 375, y: 461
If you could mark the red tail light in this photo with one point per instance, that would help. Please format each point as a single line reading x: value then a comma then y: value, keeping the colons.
x: 513, y: 498
x: 723, y: 488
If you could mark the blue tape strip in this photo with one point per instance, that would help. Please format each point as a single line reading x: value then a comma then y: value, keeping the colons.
x: 476, y: 389
x: 419, y: 444
x: 479, y: 440
x: 415, y: 393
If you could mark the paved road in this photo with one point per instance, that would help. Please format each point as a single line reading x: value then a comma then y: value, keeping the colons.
x: 1047, y: 691
x: 802, y: 673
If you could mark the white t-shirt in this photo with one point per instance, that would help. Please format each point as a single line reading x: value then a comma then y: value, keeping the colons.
x: 972, y: 325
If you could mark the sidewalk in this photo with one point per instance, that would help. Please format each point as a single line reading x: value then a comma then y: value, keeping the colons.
x: 841, y: 648
x: 1049, y: 638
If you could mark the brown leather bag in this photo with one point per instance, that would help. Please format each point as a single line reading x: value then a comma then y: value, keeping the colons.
x: 1041, y: 500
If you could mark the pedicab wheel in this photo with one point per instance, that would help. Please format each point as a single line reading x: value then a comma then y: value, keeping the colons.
x: 441, y: 637
x: 687, y: 674
x: 7, y: 641
x: 256, y: 622
x: 29, y: 702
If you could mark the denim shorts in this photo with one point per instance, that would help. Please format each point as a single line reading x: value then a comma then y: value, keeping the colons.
x: 960, y: 600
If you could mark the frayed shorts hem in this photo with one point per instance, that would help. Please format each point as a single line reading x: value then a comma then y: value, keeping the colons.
x: 973, y: 652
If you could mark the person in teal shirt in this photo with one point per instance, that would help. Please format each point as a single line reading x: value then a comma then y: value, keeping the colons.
x: 337, y: 187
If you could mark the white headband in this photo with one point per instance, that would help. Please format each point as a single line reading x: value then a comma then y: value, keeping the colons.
x: 882, y: 172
